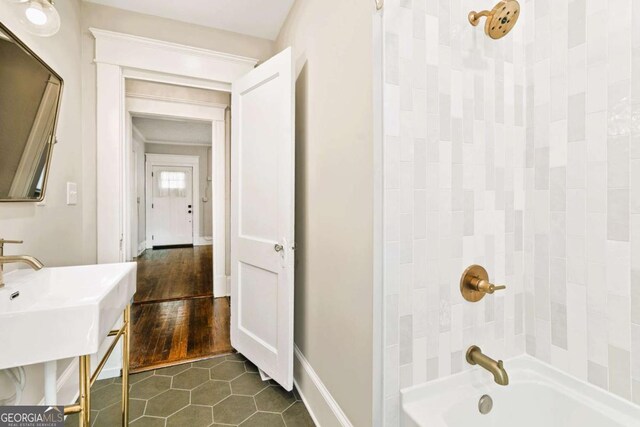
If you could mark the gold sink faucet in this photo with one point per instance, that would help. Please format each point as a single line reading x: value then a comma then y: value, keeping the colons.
x: 476, y: 357
x: 26, y: 259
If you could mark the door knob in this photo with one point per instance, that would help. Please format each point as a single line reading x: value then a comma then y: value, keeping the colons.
x: 278, y: 247
x: 474, y: 284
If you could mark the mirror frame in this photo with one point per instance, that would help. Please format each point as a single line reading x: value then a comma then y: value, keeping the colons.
x: 52, y: 138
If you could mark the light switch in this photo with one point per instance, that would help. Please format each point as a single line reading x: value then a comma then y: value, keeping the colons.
x: 72, y: 193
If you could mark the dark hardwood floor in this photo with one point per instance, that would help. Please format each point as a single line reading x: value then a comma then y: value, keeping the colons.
x: 174, y: 315
x: 171, y: 274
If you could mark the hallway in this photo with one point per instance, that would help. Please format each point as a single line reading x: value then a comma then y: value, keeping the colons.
x: 174, y: 315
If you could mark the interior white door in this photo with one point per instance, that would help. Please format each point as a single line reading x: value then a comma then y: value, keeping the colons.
x: 172, y: 205
x: 262, y: 219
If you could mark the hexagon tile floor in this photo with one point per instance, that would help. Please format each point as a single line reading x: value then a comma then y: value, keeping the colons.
x: 221, y: 391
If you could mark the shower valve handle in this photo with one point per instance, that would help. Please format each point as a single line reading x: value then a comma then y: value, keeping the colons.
x: 489, y: 288
x: 475, y: 284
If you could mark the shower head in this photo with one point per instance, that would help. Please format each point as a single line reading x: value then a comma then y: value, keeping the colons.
x: 500, y: 20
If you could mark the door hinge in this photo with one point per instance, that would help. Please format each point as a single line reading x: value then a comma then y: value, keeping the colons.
x: 379, y: 4
x: 151, y: 205
x: 151, y: 174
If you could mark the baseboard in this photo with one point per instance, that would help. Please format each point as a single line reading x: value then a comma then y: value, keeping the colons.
x: 142, y: 247
x: 203, y: 241
x: 322, y: 405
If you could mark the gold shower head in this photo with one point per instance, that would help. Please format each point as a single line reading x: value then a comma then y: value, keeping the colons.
x: 500, y: 20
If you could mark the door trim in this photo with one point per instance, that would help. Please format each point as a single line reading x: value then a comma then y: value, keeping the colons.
x: 192, y: 162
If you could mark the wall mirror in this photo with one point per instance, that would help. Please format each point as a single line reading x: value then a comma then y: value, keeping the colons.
x: 30, y: 93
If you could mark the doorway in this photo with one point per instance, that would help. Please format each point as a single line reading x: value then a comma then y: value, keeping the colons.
x: 175, y: 316
x: 171, y: 126
x: 263, y: 105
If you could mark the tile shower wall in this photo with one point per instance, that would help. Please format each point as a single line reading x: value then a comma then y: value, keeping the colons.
x: 455, y: 157
x: 582, y: 209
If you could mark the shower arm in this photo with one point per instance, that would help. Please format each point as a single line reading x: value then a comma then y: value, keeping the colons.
x: 474, y: 17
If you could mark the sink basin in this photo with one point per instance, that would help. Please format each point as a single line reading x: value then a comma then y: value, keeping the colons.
x: 61, y: 312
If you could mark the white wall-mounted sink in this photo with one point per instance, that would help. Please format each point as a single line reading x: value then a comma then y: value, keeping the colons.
x: 61, y: 312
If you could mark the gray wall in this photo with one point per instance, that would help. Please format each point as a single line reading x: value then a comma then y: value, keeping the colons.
x: 332, y: 42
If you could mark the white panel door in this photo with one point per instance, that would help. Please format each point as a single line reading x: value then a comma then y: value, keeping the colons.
x: 262, y: 219
x: 172, y: 206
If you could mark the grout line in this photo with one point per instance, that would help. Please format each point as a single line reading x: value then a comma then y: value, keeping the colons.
x: 247, y: 418
x: 290, y: 406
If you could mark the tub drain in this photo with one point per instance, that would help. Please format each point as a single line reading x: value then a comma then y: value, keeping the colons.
x: 485, y: 404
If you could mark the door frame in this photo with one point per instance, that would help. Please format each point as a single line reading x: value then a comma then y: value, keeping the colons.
x: 179, y: 160
x: 215, y: 114
x: 119, y: 56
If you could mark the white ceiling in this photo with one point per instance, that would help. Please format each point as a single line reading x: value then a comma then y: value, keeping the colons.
x: 259, y: 18
x: 188, y: 132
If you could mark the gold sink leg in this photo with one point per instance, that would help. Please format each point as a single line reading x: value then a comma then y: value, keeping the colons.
x: 83, y: 407
x: 125, y: 366
x: 85, y: 391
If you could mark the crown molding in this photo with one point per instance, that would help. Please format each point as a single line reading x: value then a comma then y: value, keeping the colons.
x: 135, y: 52
x: 99, y: 34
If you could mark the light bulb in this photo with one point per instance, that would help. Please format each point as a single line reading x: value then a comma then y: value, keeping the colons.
x: 39, y: 17
x: 35, y: 14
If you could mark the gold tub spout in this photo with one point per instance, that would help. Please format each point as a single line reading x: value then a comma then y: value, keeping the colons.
x: 475, y: 356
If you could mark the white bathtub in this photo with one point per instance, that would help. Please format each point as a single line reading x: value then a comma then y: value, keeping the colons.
x: 537, y: 395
